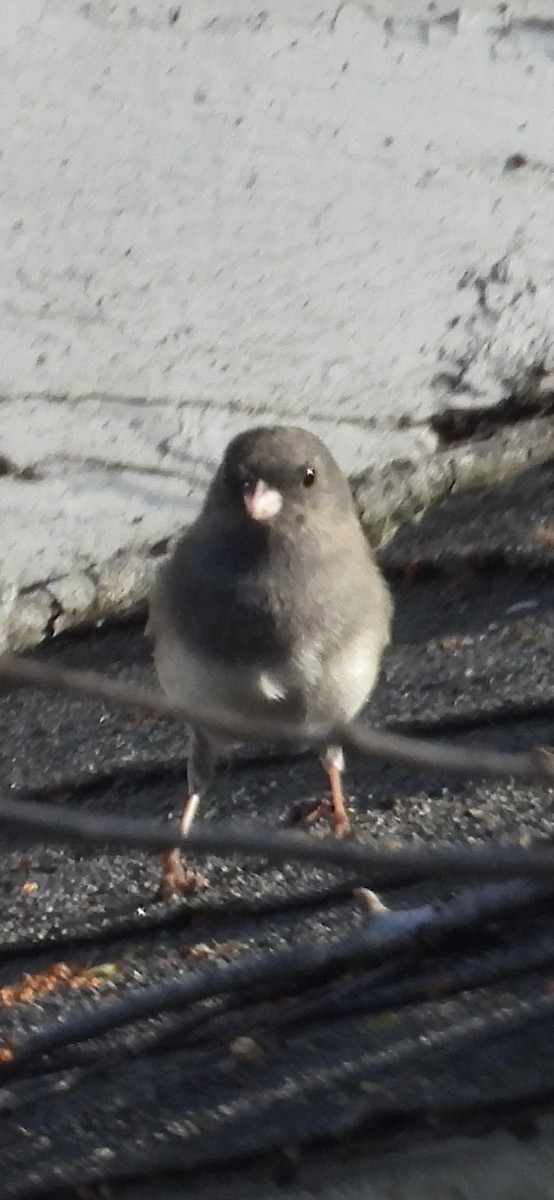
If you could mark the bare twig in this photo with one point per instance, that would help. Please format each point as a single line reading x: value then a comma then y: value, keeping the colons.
x: 63, y: 825
x: 361, y: 995
x: 492, y: 862
x: 379, y: 940
x: 300, y: 1104
x: 535, y: 766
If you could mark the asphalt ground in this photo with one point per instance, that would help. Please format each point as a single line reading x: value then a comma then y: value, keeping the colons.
x: 454, y: 1034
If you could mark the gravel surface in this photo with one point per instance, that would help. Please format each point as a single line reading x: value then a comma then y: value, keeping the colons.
x: 456, y: 1037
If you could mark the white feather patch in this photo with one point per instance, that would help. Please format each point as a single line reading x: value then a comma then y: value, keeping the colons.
x: 271, y: 688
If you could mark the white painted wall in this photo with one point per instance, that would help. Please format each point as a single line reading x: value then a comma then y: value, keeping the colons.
x: 213, y: 215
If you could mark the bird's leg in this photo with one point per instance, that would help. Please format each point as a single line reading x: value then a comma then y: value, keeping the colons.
x: 341, y: 823
x: 175, y: 877
x: 333, y: 762
x: 200, y: 772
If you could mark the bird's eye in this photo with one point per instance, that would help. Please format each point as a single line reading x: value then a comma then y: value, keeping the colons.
x: 309, y: 477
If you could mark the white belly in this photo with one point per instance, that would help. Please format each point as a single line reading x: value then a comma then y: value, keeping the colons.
x: 332, y: 691
x: 339, y: 687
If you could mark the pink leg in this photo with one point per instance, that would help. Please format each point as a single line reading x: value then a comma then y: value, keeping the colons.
x: 175, y: 877
x: 333, y: 761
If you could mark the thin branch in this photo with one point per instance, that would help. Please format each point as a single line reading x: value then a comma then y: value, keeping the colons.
x: 341, y: 1000
x: 380, y: 939
x: 234, y: 1014
x: 535, y: 766
x: 405, y: 1078
x: 62, y: 825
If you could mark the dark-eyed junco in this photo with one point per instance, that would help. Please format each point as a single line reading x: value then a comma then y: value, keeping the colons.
x: 271, y: 606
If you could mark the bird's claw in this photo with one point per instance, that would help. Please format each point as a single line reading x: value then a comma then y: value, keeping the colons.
x: 323, y: 810
x: 178, y: 879
x: 342, y: 827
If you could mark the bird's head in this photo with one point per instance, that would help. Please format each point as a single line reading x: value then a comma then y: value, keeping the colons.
x: 279, y: 477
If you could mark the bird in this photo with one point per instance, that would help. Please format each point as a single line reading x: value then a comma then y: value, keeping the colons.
x: 271, y: 606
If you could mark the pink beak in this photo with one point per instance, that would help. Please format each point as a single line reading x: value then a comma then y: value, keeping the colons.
x: 262, y: 502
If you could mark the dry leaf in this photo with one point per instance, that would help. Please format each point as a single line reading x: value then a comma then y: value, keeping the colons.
x: 544, y: 535
x: 103, y: 971
x: 203, y: 952
x: 454, y: 642
x: 60, y: 975
x: 374, y: 1088
x: 245, y: 1049
x: 381, y: 1023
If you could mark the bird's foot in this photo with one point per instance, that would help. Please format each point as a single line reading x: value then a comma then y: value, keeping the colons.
x: 323, y: 810
x: 179, y: 879
x: 341, y: 826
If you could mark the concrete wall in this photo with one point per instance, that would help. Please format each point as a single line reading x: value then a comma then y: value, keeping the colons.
x: 338, y: 214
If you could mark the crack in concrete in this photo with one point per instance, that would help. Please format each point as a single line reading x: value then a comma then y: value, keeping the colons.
x: 88, y: 462
x: 340, y: 312
x: 402, y: 492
